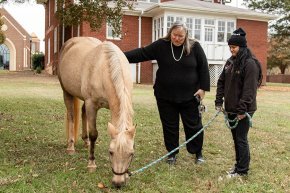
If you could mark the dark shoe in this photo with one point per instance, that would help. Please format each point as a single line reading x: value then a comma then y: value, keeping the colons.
x: 171, y: 160
x: 199, y: 158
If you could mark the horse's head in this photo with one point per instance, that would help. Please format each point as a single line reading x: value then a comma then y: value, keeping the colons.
x: 121, y: 153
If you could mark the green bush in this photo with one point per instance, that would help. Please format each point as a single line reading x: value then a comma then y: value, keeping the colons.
x: 38, y: 61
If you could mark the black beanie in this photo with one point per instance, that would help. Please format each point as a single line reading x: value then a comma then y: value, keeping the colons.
x: 238, y: 38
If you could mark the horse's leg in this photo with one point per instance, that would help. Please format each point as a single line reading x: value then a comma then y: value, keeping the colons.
x: 91, y: 113
x: 85, y: 126
x: 69, y: 103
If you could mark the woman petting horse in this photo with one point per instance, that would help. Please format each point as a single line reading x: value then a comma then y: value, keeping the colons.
x: 98, y: 73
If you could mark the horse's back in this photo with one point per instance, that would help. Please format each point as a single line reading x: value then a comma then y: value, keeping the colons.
x: 71, y: 62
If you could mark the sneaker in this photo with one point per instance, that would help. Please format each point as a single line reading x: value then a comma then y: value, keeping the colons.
x: 232, y: 171
x: 199, y: 158
x: 235, y: 174
x: 171, y: 160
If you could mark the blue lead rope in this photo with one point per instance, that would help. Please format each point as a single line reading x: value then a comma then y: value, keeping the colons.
x: 236, y: 121
x: 174, y: 150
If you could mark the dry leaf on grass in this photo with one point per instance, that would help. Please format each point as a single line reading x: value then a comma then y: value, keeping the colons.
x: 101, y: 185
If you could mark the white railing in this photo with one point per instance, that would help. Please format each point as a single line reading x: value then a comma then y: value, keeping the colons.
x: 216, y: 52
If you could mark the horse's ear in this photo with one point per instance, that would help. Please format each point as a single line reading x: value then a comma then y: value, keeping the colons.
x: 112, y: 130
x: 131, y: 132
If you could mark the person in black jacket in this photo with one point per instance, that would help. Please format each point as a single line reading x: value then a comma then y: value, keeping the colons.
x: 237, y: 89
x: 181, y: 81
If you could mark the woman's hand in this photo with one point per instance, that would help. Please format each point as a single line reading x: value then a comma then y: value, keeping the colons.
x: 200, y: 93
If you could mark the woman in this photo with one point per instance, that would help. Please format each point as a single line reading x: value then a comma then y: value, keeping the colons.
x: 181, y: 78
x: 237, y: 88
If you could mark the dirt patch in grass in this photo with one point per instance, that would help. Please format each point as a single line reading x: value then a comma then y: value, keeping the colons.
x: 27, y: 75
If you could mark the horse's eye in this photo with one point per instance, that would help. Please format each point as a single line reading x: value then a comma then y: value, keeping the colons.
x: 111, y: 153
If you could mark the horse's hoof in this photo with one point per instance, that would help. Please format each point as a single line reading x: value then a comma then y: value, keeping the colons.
x: 91, y: 169
x: 92, y: 166
x: 87, y: 143
x: 70, y: 151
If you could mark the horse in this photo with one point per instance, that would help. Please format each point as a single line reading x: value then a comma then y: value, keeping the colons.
x: 98, y: 73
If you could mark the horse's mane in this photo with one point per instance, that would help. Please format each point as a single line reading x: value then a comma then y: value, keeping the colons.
x: 116, y: 60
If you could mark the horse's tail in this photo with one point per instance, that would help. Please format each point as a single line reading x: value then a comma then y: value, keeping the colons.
x: 76, y: 119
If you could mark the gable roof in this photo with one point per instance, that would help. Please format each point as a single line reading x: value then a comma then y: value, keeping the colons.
x: 197, y: 6
x: 13, y: 22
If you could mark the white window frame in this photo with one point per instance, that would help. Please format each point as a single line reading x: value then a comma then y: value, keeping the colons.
x: 109, y: 32
x: 209, y: 30
x: 48, y: 51
x: 55, y: 6
x: 55, y: 40
x: 221, y: 31
x: 230, y: 26
x: 33, y: 48
x: 49, y: 13
x: 198, y: 28
x: 158, y: 28
x: 169, y: 22
x: 189, y: 24
x: 206, y: 30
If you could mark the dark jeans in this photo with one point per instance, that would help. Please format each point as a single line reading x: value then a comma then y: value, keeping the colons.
x: 169, y: 113
x: 241, y: 144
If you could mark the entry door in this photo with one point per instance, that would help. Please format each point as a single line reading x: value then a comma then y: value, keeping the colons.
x: 209, y: 42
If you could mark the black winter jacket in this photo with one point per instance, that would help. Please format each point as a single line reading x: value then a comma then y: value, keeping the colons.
x: 238, y: 88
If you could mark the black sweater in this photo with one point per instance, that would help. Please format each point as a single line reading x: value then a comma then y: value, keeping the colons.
x: 238, y: 88
x: 176, y: 81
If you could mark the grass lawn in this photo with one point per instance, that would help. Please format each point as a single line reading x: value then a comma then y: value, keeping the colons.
x: 33, y: 145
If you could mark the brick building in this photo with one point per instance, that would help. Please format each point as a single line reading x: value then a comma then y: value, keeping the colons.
x: 19, y: 45
x: 209, y: 21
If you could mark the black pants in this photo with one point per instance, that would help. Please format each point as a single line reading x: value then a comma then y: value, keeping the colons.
x: 242, y: 150
x: 188, y: 111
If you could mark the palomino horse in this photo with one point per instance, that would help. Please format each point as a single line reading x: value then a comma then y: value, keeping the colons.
x: 98, y: 73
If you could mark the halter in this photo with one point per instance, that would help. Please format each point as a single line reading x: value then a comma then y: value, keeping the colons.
x: 126, y: 171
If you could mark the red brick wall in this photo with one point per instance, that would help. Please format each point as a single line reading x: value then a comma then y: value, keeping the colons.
x: 257, y: 40
x: 146, y: 67
x: 129, y: 40
x: 280, y: 78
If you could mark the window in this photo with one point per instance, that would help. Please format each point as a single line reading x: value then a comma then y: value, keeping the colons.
x: 221, y: 31
x: 49, y: 13
x: 208, y: 34
x: 209, y: 22
x: 189, y: 25
x: 4, y: 57
x: 197, y: 29
x: 55, y: 6
x: 230, y: 29
x: 179, y: 19
x: 48, y: 51
x: 110, y: 33
x: 32, y: 47
x: 55, y: 40
x: 170, y: 21
x: 158, y: 24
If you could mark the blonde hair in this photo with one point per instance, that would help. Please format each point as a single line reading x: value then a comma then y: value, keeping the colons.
x: 188, y: 42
